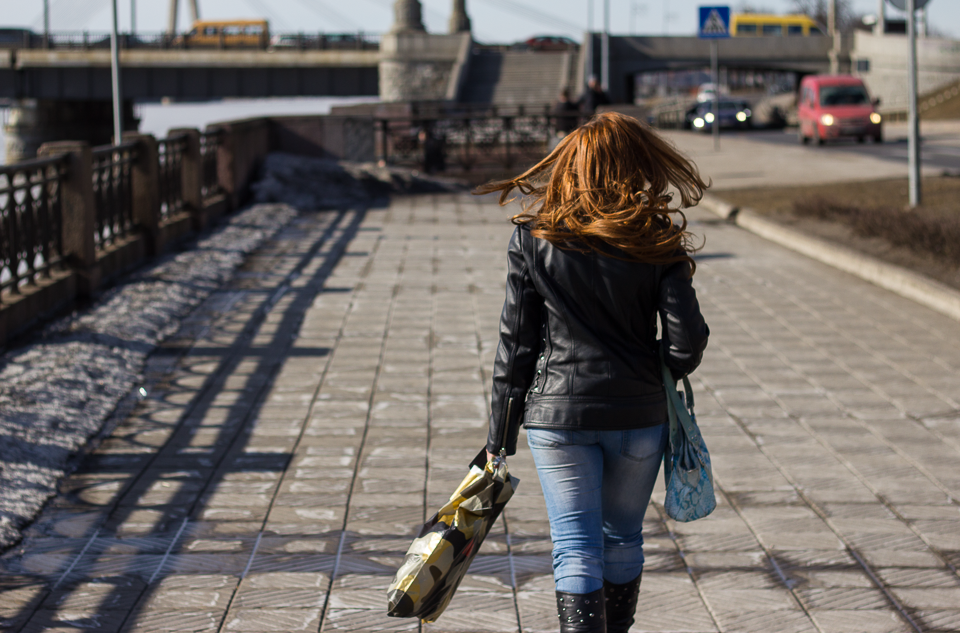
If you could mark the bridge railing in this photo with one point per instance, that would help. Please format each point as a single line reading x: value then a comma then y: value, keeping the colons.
x: 30, y: 222
x: 210, y: 142
x: 170, y: 159
x: 292, y: 41
x: 468, y: 141
x: 78, y: 215
x: 113, y: 191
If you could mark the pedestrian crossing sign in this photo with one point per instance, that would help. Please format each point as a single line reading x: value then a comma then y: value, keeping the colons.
x: 714, y: 22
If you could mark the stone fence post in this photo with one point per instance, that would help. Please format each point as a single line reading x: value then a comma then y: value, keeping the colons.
x: 79, y: 212
x: 145, y: 182
x: 243, y: 146
x: 191, y: 177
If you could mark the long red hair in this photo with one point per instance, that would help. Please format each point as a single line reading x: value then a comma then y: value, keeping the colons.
x: 607, y: 184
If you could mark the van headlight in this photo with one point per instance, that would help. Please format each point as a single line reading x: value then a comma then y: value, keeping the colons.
x: 708, y: 117
x: 827, y: 119
x: 698, y: 123
x: 741, y: 116
x: 875, y: 118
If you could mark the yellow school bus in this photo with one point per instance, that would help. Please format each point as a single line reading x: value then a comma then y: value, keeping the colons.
x: 228, y: 34
x: 762, y: 24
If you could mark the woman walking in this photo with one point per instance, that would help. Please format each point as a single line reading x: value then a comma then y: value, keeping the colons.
x: 594, y: 259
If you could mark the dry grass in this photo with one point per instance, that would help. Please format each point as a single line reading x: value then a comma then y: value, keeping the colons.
x: 940, y: 195
x: 922, y: 230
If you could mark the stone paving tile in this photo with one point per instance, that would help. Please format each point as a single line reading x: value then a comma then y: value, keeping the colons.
x: 273, y: 482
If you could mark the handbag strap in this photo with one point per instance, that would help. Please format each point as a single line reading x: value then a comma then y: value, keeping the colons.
x: 680, y: 410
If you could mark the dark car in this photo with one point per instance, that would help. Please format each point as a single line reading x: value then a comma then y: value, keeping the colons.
x: 550, y: 43
x: 734, y: 113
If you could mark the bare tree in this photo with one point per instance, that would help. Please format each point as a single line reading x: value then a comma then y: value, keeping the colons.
x: 750, y: 7
x: 817, y: 9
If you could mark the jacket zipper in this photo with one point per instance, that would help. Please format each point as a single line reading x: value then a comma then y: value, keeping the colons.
x: 506, y: 429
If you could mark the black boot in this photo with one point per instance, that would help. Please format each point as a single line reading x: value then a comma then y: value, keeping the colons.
x: 621, y: 602
x: 581, y: 612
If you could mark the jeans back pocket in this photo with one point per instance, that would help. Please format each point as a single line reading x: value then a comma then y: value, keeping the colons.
x: 639, y: 444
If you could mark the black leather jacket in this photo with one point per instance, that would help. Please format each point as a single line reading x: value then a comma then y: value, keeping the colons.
x: 578, y: 340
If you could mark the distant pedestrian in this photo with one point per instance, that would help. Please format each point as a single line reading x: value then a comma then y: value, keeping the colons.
x: 594, y: 97
x: 434, y: 154
x: 566, y: 114
x: 595, y: 258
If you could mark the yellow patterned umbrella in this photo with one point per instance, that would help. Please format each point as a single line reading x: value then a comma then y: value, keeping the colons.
x: 439, y: 557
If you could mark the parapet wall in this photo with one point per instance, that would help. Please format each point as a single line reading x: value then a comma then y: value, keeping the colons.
x: 883, y: 59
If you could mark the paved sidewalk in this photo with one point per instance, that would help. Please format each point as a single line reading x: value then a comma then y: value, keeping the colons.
x: 305, y: 421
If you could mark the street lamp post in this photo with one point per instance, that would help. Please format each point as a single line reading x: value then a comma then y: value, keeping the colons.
x: 605, y: 48
x: 715, y: 75
x: 115, y: 79
x: 910, y: 7
x: 46, y: 23
x: 913, y: 121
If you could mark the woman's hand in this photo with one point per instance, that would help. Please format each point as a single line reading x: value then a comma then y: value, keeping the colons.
x: 491, y: 456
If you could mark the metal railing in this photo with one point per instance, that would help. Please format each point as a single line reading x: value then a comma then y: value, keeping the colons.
x: 113, y: 191
x: 93, y: 40
x: 31, y: 221
x: 170, y: 153
x: 470, y: 141
x: 209, y: 148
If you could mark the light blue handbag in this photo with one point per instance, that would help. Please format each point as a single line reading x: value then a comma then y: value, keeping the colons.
x: 686, y: 462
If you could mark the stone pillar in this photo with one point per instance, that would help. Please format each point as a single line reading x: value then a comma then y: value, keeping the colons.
x: 407, y: 17
x: 33, y: 122
x: 145, y: 182
x: 79, y: 212
x: 192, y: 175
x: 881, y: 26
x: 459, y: 20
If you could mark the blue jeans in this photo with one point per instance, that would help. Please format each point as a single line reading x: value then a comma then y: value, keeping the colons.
x: 597, y: 485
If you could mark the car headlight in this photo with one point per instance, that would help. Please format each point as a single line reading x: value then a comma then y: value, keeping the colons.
x: 698, y: 122
x: 708, y: 117
x: 827, y: 119
x: 741, y: 116
x: 875, y: 117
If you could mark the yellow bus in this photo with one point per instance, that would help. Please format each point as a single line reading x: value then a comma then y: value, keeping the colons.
x: 228, y: 33
x: 761, y: 24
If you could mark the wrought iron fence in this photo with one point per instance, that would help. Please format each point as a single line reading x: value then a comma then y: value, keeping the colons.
x: 171, y: 152
x: 113, y: 191
x: 209, y: 149
x: 468, y: 141
x: 31, y: 221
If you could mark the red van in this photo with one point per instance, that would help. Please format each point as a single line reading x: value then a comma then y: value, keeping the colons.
x: 835, y: 106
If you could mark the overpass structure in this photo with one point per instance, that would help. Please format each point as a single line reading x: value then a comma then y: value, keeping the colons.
x: 631, y: 55
x: 207, y: 74
x: 65, y: 93
x: 188, y: 74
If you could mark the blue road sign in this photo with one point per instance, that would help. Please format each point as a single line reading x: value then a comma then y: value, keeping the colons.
x: 714, y: 23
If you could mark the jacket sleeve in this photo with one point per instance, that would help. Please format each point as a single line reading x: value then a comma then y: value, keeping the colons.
x: 684, y: 332
x: 518, y: 349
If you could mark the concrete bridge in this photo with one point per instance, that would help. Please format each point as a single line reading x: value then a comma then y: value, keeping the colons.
x: 189, y: 74
x: 630, y: 55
